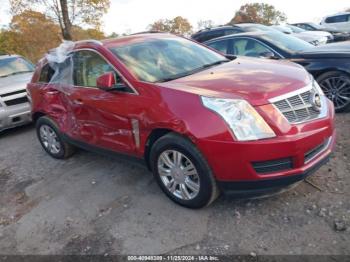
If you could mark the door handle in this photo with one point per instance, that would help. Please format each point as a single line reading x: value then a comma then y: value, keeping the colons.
x: 78, y: 101
x: 52, y: 92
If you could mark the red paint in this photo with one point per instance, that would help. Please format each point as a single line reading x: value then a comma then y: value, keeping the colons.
x: 103, y: 119
x: 105, y: 81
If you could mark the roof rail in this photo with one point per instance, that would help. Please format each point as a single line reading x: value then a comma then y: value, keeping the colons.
x: 89, y: 41
x: 149, y: 32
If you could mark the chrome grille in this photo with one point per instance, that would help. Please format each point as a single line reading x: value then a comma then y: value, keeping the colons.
x: 297, y: 107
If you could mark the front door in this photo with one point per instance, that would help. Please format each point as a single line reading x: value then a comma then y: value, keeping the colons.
x: 101, y: 117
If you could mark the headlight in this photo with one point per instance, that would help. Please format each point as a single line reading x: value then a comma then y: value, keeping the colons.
x: 245, y: 123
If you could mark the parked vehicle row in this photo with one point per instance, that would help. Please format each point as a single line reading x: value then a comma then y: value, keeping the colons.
x: 315, y: 37
x: 338, y: 35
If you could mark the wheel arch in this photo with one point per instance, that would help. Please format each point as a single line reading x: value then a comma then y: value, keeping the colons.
x: 156, y: 134
x: 37, y: 115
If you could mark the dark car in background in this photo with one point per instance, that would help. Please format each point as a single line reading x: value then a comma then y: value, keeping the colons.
x: 210, y: 33
x: 214, y: 32
x: 337, y: 34
x: 329, y: 64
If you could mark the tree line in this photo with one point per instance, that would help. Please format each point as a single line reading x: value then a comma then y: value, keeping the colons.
x: 39, y: 25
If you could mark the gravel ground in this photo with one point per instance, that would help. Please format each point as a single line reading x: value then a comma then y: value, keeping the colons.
x: 91, y: 204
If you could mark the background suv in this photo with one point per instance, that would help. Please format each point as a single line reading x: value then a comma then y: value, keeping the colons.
x: 15, y: 73
x: 339, y: 21
x: 201, y: 122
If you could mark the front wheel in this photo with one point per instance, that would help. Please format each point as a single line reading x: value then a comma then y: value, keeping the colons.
x: 51, y: 139
x: 182, y: 172
x: 336, y: 86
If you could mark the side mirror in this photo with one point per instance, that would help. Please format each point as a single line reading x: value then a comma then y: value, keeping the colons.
x: 106, y: 81
x: 268, y: 55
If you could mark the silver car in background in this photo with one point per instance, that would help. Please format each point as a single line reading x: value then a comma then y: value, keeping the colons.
x: 310, y: 38
x: 15, y: 73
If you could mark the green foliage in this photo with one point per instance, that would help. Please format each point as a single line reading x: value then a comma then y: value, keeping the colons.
x: 66, y: 13
x: 31, y: 34
x: 260, y: 13
x: 178, y: 25
x: 202, y: 24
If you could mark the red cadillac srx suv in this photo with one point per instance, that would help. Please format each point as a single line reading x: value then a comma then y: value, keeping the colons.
x: 202, y: 123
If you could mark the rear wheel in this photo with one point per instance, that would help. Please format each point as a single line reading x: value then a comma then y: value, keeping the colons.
x: 182, y: 172
x: 51, y: 139
x: 336, y: 86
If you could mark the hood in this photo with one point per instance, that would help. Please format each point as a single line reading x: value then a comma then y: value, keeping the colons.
x: 334, y: 50
x: 14, y: 83
x: 307, y: 37
x: 253, y: 79
x: 316, y: 33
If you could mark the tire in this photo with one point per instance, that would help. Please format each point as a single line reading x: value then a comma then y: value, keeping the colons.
x: 190, y: 182
x: 53, y: 144
x: 336, y: 86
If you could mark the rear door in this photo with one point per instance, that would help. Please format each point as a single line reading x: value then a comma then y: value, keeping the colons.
x: 102, y: 117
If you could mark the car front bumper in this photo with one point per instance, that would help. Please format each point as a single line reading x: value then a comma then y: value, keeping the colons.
x: 273, y: 163
x: 16, y: 115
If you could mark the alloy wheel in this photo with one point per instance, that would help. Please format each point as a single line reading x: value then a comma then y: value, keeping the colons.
x: 49, y: 139
x: 178, y: 174
x: 337, y: 89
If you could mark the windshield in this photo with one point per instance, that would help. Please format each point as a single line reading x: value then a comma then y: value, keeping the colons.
x: 287, y: 43
x: 316, y: 26
x: 14, y: 65
x: 165, y: 59
x: 295, y: 29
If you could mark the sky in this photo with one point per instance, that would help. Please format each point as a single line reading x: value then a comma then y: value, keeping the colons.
x: 130, y: 16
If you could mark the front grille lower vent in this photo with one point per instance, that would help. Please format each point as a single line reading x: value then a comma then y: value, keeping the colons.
x: 16, y: 101
x: 308, y: 156
x: 272, y: 166
x: 297, y: 108
x: 14, y: 93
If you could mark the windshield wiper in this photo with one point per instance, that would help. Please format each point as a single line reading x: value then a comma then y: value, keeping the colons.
x: 192, y: 71
x: 215, y: 63
x: 16, y: 73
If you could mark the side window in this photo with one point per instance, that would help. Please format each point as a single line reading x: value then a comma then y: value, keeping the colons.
x: 46, y: 74
x: 337, y: 19
x: 307, y: 27
x: 248, y: 47
x: 304, y: 26
x: 221, y: 46
x: 88, y: 66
